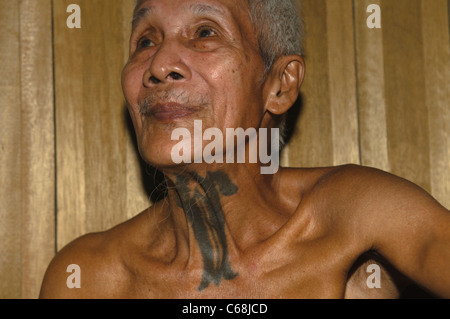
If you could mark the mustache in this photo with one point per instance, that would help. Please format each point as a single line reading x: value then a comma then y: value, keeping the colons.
x: 182, y: 97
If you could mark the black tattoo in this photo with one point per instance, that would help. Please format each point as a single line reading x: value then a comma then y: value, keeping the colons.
x: 204, y: 212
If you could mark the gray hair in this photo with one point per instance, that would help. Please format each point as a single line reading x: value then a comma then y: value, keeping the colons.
x: 279, y: 29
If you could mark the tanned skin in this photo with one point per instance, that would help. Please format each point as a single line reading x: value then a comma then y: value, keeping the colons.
x: 226, y: 230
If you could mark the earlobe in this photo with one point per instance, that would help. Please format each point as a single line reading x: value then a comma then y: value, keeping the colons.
x: 283, y: 83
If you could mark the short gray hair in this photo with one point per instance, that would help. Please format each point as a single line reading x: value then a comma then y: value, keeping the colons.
x: 279, y: 29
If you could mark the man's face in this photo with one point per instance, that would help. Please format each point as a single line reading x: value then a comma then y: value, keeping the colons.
x: 191, y: 60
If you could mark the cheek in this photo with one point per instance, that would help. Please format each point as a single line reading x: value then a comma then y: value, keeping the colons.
x: 131, y: 86
x: 235, y: 86
x: 225, y: 87
x: 131, y: 80
x: 237, y: 80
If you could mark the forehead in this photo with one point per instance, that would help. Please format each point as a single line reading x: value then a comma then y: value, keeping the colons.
x: 237, y: 10
x: 230, y: 2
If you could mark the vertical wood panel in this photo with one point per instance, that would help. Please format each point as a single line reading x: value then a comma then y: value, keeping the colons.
x: 37, y: 160
x: 10, y: 153
x: 371, y: 93
x: 342, y: 82
x: 103, y: 114
x: 327, y: 129
x: 27, y: 147
x: 312, y: 142
x: 71, y: 207
x: 99, y: 178
x: 407, y: 114
x: 436, y: 48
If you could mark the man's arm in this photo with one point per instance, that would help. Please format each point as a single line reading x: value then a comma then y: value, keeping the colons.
x: 405, y: 225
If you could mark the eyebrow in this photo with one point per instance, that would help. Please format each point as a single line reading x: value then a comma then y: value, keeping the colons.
x: 197, y: 9
x: 139, y: 15
x: 202, y: 9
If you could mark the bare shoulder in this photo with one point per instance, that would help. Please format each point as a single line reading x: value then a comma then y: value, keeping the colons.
x: 357, y: 186
x: 360, y: 209
x: 369, y: 197
x: 372, y: 210
x: 92, y: 266
x: 76, y: 270
x: 382, y: 194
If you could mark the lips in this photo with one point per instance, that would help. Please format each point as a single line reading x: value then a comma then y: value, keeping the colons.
x: 169, y: 111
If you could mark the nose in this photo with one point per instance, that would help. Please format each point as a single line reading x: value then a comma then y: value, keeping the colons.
x: 167, y: 65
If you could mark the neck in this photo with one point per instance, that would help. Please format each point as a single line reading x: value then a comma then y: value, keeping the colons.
x: 215, y: 207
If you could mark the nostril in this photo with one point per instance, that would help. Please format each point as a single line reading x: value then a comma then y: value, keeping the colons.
x: 175, y: 76
x: 154, y: 80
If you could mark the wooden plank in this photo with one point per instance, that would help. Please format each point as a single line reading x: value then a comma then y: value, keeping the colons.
x: 68, y: 48
x: 37, y: 161
x: 342, y: 82
x: 436, y: 50
x: 371, y: 93
x: 312, y: 141
x: 10, y: 153
x: 99, y: 177
x: 406, y: 110
x: 105, y: 160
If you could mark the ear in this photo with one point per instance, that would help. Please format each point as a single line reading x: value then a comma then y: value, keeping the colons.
x: 283, y: 82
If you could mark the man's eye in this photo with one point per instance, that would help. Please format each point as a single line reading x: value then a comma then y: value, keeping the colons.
x: 206, y: 32
x: 144, y: 43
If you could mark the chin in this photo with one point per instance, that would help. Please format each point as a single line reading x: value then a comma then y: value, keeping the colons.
x: 157, y: 153
x: 156, y: 145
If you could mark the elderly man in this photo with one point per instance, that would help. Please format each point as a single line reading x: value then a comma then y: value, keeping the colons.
x: 227, y: 229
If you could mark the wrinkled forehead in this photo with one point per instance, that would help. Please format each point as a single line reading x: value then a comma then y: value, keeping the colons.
x: 235, y: 6
x: 238, y: 10
x: 231, y: 2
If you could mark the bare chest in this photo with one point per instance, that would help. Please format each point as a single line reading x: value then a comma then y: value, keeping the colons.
x: 285, y: 278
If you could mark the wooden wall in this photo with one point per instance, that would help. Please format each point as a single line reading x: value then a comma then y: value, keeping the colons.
x: 377, y: 97
x: 27, y: 146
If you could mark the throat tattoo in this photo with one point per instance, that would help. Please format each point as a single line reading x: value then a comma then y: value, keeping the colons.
x: 204, y: 213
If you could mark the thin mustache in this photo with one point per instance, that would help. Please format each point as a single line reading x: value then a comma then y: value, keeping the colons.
x: 171, y: 96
